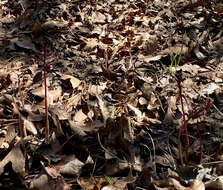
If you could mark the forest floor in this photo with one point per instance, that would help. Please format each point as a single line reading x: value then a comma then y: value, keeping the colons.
x: 111, y: 95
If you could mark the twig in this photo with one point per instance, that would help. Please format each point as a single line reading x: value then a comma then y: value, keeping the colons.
x: 46, y: 106
x: 218, y: 110
x: 21, y: 126
x: 154, y: 152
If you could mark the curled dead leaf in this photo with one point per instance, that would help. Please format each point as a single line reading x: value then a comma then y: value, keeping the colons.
x: 70, y: 81
x: 17, y: 158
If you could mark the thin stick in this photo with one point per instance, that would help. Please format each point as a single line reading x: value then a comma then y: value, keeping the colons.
x: 21, y: 125
x: 46, y: 106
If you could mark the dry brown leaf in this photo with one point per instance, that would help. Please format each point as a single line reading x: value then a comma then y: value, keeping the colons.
x: 41, y: 182
x: 53, y: 26
x: 173, y: 184
x: 91, y: 183
x: 26, y: 43
x: 96, y: 89
x: 73, y: 81
x: 61, y: 184
x: 169, y: 117
x: 168, y: 184
x: 107, y: 110
x: 16, y: 157
x: 29, y: 126
x: 5, y: 81
x: 80, y: 117
x: 90, y: 44
x: 197, y: 185
x: 52, y: 172
x: 98, y: 17
x: 71, y: 166
x: 52, y: 95
x: 215, y: 185
x: 39, y: 92
x: 139, y: 115
x: 73, y: 101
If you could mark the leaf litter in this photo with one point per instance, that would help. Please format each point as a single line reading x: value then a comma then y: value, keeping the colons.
x: 134, y: 88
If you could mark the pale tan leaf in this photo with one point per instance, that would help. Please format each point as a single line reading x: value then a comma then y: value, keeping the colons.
x: 91, y: 44
x: 215, y: 185
x: 52, y: 95
x: 73, y: 101
x: 197, y: 185
x: 74, y: 81
x: 72, y: 166
x: 29, y: 126
x: 80, y: 117
x: 139, y: 115
x: 90, y: 114
x: 98, y: 17
x: 39, y: 92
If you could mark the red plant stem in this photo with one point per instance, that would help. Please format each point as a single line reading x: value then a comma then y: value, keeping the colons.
x: 184, y: 127
x: 47, y: 131
x: 182, y: 105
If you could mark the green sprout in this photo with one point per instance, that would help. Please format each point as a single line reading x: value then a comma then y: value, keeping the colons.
x: 109, y: 181
x: 175, y: 61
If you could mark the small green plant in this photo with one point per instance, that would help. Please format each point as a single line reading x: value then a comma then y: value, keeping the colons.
x: 109, y: 181
x: 175, y: 61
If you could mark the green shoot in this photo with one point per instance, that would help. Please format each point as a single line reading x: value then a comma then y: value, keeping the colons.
x: 109, y: 181
x: 175, y: 61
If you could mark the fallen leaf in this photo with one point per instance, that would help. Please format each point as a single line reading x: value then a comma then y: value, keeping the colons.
x: 52, y: 95
x: 215, y: 184
x: 16, y: 157
x: 29, y: 126
x: 73, y: 81
x: 41, y: 182
x: 72, y: 166
x: 80, y: 117
x: 26, y: 44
